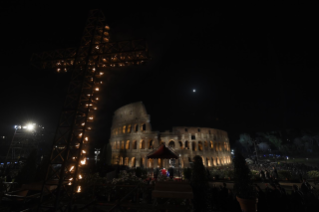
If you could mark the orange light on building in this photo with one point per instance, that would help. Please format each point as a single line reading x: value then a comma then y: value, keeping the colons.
x: 71, y: 168
x: 97, y: 89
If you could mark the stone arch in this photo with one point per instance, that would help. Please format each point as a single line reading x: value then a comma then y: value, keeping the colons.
x: 117, y: 144
x: 205, y: 144
x: 133, y: 162
x: 150, y: 144
x: 142, y: 144
x: 122, y: 144
x: 135, y: 127
x: 217, y: 161
x: 114, y: 145
x: 116, y: 159
x: 124, y: 129
x: 128, y: 130
x: 208, y: 162
x: 200, y: 146
x: 171, y: 144
x: 120, y: 130
x: 186, y: 145
x: 194, y: 146
x: 134, y: 145
x: 220, y: 147
x: 127, y: 146
x: 143, y: 127
x: 214, y: 161
x: 211, y: 144
x: 203, y: 160
x: 126, y: 161
x: 180, y: 144
x: 121, y: 161
x: 150, y: 163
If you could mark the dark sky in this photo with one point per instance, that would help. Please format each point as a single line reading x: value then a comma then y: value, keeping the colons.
x: 251, y: 65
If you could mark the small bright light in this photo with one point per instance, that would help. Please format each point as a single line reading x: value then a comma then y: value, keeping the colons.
x: 91, y: 117
x: 83, y: 124
x: 71, y: 168
x: 71, y: 179
x: 194, y: 90
x: 80, y: 176
x: 86, y: 138
x: 83, y: 162
x: 101, y: 73
x: 69, y: 183
x: 80, y: 134
x: 97, y: 89
x: 83, y: 151
x: 79, y: 189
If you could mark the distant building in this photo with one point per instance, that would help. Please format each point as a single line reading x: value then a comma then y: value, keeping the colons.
x: 132, y: 139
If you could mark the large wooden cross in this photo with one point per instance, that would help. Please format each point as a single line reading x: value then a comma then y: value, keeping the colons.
x: 87, y: 63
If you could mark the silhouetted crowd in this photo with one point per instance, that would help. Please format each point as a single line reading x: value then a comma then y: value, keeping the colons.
x: 273, y: 198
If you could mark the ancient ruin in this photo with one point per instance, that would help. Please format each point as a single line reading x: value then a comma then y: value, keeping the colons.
x: 132, y: 139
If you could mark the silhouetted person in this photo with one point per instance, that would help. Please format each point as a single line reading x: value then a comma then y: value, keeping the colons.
x: 156, y: 172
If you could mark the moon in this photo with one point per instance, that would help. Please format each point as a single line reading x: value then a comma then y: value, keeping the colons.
x: 194, y: 90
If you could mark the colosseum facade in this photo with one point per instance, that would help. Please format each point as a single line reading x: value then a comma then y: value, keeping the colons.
x: 132, y: 139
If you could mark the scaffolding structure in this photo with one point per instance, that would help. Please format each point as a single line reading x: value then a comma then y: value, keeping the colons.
x: 88, y: 63
x: 24, y: 140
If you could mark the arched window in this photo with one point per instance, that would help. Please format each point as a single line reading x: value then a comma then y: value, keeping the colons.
x: 126, y: 161
x: 194, y: 146
x: 133, y: 162
x: 134, y: 145
x: 142, y: 144
x: 114, y: 145
x: 122, y: 144
x: 208, y: 162
x: 119, y: 130
x: 128, y: 130
x: 180, y: 144
x: 214, y: 161
x: 124, y: 129
x: 127, y: 146
x: 117, y: 145
x: 186, y: 145
x: 121, y: 161
x: 116, y: 131
x: 211, y: 145
x: 206, y: 144
x: 200, y: 146
x: 135, y: 128
x: 143, y: 127
x: 171, y: 144
x: 150, y: 163
x: 150, y: 144
x: 220, y: 147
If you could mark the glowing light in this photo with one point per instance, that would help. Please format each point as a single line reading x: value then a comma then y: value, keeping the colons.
x: 83, y: 161
x: 88, y: 94
x: 97, y: 47
x: 97, y: 98
x: 93, y: 69
x: 95, y: 108
x: 107, y: 27
x: 71, y: 168
x: 89, y: 128
x: 97, y: 89
x: 79, y: 189
x: 104, y: 60
x: 83, y: 124
x: 80, y: 135
x: 65, y: 70
x: 194, y: 90
x: 80, y: 177
x: 30, y: 127
x: 101, y: 82
x: 83, y: 151
x: 101, y: 73
x: 69, y: 183
x: 58, y: 69
x: 86, y: 139
x: 91, y: 118
x: 71, y: 179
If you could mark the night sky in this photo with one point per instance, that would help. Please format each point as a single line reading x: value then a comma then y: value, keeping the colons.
x: 252, y: 66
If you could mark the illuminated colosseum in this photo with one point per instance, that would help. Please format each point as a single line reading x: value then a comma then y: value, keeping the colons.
x: 132, y: 139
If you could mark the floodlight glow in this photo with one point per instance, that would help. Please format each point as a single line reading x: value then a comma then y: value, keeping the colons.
x: 30, y: 127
